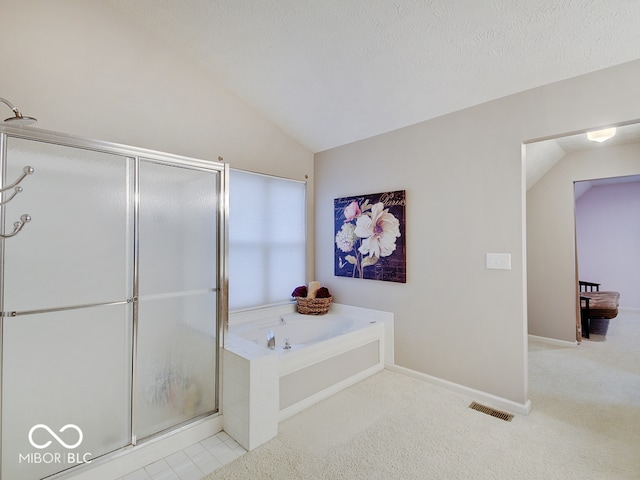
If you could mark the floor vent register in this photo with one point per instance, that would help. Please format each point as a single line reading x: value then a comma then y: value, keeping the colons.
x: 491, y: 411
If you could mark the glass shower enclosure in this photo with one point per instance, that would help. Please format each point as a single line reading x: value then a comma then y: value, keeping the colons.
x: 112, y: 298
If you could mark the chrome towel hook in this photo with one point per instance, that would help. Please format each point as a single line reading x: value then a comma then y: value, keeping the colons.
x: 24, y: 219
x: 17, y: 190
x: 25, y: 171
x: 17, y: 226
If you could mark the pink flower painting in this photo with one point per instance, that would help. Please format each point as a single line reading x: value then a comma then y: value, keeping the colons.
x: 369, y: 241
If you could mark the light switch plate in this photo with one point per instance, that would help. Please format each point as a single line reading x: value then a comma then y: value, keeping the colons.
x: 500, y: 261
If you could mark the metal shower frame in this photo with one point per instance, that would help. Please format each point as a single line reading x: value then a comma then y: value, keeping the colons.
x: 135, y: 155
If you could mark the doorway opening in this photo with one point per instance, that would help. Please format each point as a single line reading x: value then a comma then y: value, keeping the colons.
x: 552, y: 167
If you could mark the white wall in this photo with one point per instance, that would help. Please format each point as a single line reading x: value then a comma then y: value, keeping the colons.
x: 455, y: 319
x: 81, y: 67
x: 551, y: 235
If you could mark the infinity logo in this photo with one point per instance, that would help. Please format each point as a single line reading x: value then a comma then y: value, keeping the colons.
x: 60, y: 441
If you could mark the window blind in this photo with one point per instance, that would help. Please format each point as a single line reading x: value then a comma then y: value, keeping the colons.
x: 267, y: 236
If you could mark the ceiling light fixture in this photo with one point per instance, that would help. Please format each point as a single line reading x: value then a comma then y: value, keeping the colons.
x: 601, y: 135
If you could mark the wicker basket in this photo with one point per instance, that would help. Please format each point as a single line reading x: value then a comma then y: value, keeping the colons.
x: 313, y: 306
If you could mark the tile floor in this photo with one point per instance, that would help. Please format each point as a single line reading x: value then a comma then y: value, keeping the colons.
x: 192, y: 463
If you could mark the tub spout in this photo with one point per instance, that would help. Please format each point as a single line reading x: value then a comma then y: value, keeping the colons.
x: 271, y: 340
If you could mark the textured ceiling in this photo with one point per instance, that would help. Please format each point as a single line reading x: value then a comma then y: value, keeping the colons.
x: 330, y: 72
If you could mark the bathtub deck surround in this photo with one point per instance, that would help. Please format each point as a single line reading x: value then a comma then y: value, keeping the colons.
x: 315, y: 357
x: 250, y: 394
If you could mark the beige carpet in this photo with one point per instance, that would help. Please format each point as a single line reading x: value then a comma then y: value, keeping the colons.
x: 585, y: 424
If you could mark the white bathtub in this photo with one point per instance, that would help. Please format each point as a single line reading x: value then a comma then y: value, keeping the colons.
x: 298, y: 331
x: 328, y: 353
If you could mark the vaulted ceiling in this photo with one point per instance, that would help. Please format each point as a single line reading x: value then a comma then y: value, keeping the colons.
x: 330, y: 72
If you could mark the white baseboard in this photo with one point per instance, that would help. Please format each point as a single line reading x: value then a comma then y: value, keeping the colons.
x: 481, y: 397
x: 629, y: 309
x: 553, y: 341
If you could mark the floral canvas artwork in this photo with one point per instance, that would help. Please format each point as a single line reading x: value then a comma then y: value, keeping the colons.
x: 369, y: 237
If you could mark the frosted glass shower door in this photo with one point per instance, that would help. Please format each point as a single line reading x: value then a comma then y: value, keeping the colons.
x: 177, y: 298
x: 64, y: 368
x: 67, y: 328
x: 77, y: 249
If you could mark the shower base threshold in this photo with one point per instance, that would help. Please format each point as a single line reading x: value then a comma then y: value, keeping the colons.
x: 131, y: 458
